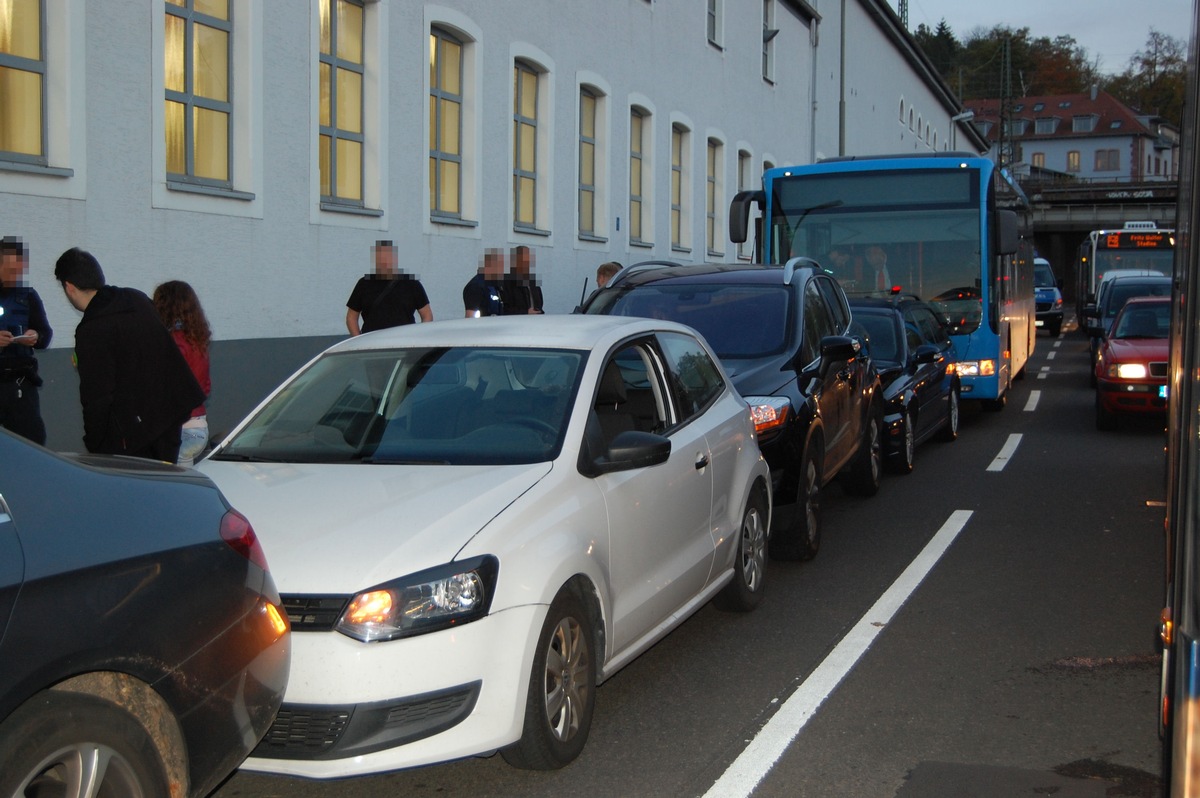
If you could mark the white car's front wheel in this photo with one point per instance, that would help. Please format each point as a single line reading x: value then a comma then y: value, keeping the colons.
x: 562, y: 689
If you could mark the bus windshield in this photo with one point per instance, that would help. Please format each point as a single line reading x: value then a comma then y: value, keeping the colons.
x: 1154, y: 260
x: 915, y: 230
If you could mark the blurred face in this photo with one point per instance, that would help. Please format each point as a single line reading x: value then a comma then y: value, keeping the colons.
x: 493, y: 266
x: 876, y: 256
x: 385, y: 260
x: 522, y: 262
x: 12, y: 269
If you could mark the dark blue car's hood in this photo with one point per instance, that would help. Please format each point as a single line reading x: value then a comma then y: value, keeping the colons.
x: 890, y: 381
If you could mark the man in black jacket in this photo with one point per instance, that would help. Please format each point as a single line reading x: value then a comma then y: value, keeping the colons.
x: 135, y: 387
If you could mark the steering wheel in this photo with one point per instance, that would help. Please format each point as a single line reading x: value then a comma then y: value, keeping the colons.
x: 536, y: 424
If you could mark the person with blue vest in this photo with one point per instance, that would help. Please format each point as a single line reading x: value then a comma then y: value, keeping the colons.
x: 23, y: 328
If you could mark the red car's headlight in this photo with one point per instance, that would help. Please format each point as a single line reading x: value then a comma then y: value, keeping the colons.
x: 1128, y: 371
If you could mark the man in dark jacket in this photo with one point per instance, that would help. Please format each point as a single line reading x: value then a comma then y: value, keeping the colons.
x: 135, y: 386
x: 23, y: 328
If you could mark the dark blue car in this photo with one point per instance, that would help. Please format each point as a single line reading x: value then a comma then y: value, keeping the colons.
x: 912, y: 351
x: 143, y: 647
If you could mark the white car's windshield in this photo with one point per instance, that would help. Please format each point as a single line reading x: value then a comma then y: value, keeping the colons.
x: 449, y: 406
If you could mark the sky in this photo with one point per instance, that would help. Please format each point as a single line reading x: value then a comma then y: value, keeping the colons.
x: 1111, y: 30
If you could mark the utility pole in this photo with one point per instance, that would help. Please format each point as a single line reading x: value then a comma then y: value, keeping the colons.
x: 1004, y: 155
x: 902, y: 10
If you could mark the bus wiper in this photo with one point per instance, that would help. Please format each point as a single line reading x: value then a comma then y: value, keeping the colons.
x: 791, y: 229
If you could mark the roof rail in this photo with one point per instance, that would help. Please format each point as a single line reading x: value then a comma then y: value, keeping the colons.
x: 640, y: 266
x: 789, y: 268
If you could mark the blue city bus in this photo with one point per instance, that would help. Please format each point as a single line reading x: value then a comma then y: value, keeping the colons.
x: 947, y: 229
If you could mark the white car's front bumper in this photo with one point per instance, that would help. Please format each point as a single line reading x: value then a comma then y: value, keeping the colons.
x: 353, y: 708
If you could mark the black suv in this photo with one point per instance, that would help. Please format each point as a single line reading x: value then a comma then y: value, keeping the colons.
x: 783, y: 336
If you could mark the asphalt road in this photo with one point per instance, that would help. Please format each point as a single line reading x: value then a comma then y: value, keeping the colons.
x: 981, y: 627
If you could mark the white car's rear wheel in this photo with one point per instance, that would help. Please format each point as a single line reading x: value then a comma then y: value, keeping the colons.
x: 745, y: 591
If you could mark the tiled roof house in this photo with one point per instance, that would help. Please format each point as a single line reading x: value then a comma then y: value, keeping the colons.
x: 1091, y: 137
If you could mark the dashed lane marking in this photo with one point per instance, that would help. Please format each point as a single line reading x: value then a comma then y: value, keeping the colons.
x: 1006, y: 452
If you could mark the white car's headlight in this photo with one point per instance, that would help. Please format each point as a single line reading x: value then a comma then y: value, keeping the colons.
x: 438, y: 598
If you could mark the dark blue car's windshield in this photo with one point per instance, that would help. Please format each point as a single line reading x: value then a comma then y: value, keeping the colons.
x: 739, y: 321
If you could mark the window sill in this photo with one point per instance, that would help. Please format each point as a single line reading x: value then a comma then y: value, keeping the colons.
x: 353, y: 210
x: 637, y: 242
x: 209, y: 191
x: 531, y: 231
x: 592, y: 239
x: 35, y: 169
x: 681, y: 250
x: 452, y: 221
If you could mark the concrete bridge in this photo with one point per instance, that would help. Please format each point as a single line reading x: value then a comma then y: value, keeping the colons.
x: 1064, y: 213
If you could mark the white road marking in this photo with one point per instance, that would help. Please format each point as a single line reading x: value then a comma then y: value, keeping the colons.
x: 1050, y: 355
x: 1006, y: 453
x: 1034, y: 397
x: 745, y: 772
x: 1057, y: 343
x: 1043, y: 372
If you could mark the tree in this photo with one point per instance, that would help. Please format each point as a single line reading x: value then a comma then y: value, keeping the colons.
x: 1036, y: 67
x: 1155, y: 79
x: 940, y: 45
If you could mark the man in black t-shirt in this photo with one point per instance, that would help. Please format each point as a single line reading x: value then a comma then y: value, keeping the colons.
x: 386, y: 298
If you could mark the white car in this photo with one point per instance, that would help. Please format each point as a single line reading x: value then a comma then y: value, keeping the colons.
x: 474, y: 522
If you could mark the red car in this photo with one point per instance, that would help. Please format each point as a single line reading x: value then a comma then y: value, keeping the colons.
x: 1131, y: 372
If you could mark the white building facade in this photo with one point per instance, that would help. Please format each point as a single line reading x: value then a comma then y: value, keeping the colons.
x: 258, y: 148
